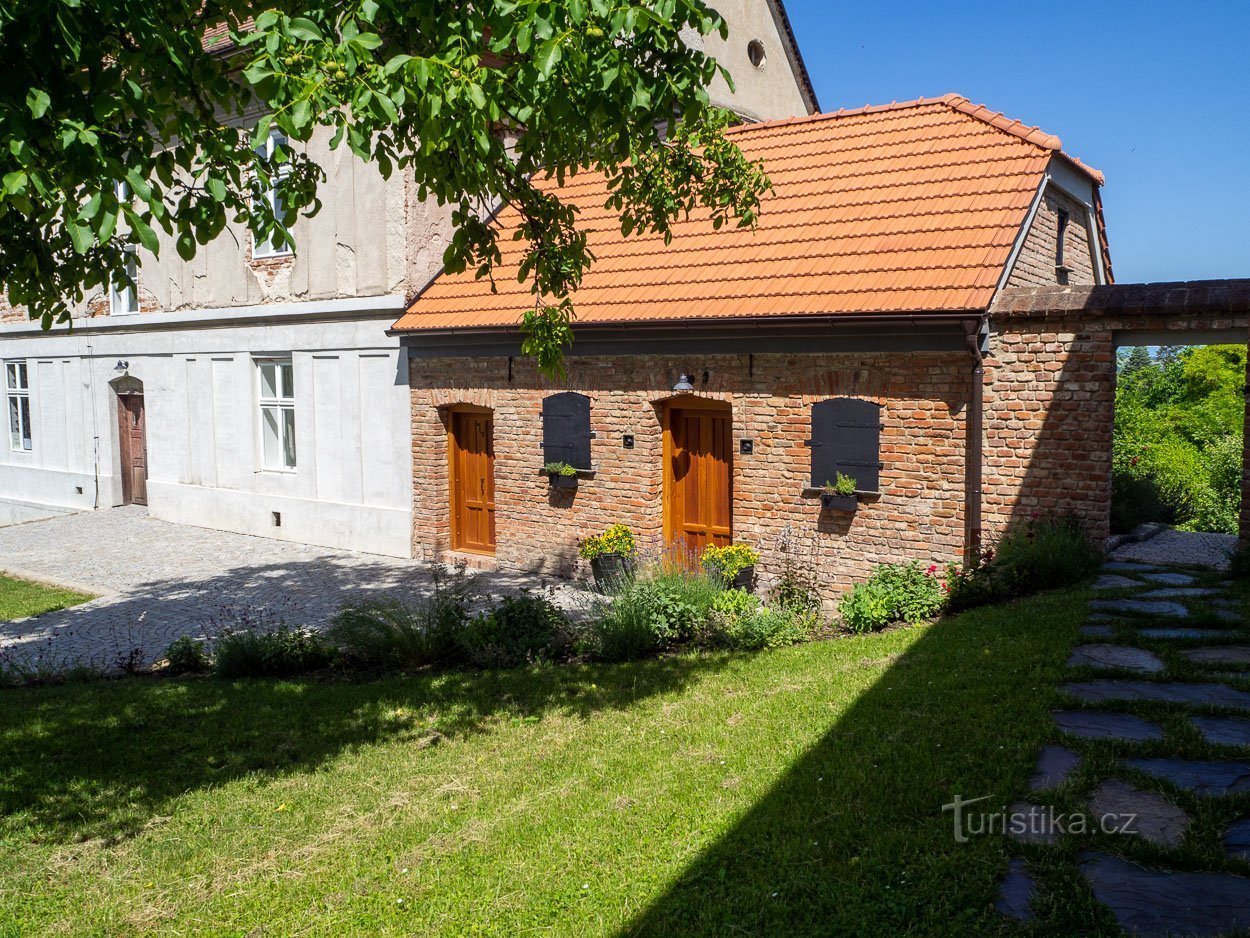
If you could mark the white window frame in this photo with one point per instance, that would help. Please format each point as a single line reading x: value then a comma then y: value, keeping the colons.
x: 266, y: 248
x: 124, y: 300
x: 279, y: 404
x: 17, y: 400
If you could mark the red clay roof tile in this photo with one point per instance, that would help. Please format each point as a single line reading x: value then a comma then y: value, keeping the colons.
x: 897, y: 208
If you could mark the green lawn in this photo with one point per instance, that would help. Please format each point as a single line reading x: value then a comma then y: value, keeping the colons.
x: 21, y: 598
x: 791, y: 792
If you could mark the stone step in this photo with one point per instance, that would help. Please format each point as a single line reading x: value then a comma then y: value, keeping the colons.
x: 1015, y: 893
x: 1150, y: 903
x: 1095, y: 724
x: 1179, y: 632
x: 1096, y: 631
x: 1125, y: 809
x: 1121, y: 657
x: 1169, y: 578
x: 1210, y: 695
x: 1113, y: 581
x: 1055, y: 765
x: 1180, y: 592
x: 1219, y: 654
x: 1237, y: 839
x: 1223, y: 731
x: 1141, y: 607
x: 1208, y: 779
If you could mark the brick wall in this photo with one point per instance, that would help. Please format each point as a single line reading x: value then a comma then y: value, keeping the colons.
x: 1050, y: 407
x: 918, y: 515
x: 1035, y: 264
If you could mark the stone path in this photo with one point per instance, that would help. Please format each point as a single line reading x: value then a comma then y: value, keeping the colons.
x: 157, y: 581
x: 1180, y: 549
x: 1145, y: 794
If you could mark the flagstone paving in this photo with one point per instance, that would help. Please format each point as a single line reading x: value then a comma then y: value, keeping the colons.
x: 1223, y: 731
x: 1219, y: 654
x: 1160, y: 902
x: 1181, y: 633
x: 1015, y: 895
x: 1120, y: 657
x: 1206, y: 695
x: 1143, y: 607
x: 1122, y: 807
x: 1151, y: 900
x: 1169, y: 579
x: 1110, y: 581
x: 1055, y: 766
x: 1237, y: 839
x: 1209, y: 779
x: 1097, y: 724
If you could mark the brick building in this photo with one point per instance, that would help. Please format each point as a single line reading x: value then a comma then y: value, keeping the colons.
x: 729, y: 374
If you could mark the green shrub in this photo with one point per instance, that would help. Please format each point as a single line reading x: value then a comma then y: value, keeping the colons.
x: 1046, y: 553
x: 795, y: 587
x: 282, y: 652
x: 894, y: 592
x: 390, y: 633
x: 1042, y: 554
x: 652, y: 610
x: 520, y: 629
x: 187, y: 656
x: 740, y: 622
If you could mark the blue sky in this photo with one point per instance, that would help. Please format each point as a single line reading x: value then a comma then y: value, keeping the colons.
x: 1156, y: 95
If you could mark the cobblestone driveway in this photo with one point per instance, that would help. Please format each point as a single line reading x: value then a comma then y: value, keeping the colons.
x: 156, y: 581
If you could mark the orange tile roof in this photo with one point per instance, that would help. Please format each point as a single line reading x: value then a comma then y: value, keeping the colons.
x: 899, y: 208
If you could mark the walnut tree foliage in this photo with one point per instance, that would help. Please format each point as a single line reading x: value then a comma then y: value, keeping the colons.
x: 479, y: 101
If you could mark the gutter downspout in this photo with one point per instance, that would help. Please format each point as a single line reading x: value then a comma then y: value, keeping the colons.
x: 973, y: 449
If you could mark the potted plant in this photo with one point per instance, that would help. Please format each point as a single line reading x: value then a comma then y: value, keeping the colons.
x: 561, y: 475
x: 734, y: 563
x: 839, y: 495
x: 611, y: 554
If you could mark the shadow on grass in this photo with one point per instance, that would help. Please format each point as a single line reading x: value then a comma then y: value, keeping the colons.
x: 852, y: 839
x: 101, y: 759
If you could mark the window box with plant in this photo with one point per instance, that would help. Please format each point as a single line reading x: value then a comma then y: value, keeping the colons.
x: 839, y: 495
x: 611, y: 554
x: 561, y: 475
x: 734, y: 563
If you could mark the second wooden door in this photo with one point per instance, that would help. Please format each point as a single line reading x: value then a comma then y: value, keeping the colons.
x: 132, y: 431
x: 472, y: 452
x: 699, y: 482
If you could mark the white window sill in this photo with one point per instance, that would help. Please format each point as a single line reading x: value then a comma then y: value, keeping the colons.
x: 271, y: 257
x: 280, y: 472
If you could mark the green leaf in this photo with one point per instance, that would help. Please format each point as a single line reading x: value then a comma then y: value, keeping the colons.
x: 305, y: 29
x: 142, y: 230
x: 138, y: 185
x: 14, y: 182
x: 38, y: 102
x: 81, y: 235
x: 216, y: 188
x: 548, y: 57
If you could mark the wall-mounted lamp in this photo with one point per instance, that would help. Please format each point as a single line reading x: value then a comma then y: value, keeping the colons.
x: 121, y: 367
x: 683, y: 384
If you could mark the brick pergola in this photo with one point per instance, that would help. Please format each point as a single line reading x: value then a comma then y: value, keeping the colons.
x: 1050, y: 385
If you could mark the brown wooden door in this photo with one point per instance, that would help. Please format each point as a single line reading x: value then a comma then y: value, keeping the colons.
x: 134, y: 449
x: 699, y: 483
x: 472, y: 449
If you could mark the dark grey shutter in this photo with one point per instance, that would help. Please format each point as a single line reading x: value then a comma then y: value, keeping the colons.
x: 566, y: 429
x: 846, y: 438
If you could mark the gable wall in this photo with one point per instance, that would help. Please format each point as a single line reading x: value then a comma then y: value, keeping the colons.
x: 1035, y: 264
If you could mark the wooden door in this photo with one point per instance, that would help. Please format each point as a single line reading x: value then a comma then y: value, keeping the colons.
x: 699, y: 480
x: 472, y: 451
x: 132, y: 427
